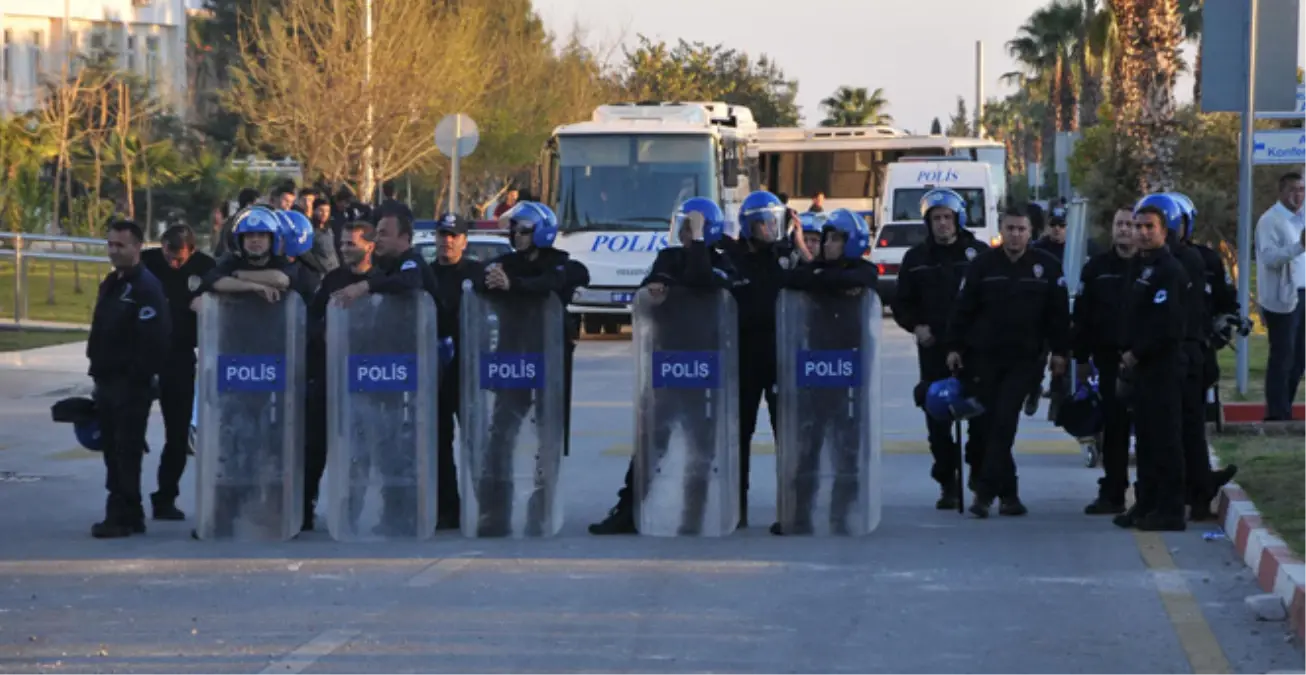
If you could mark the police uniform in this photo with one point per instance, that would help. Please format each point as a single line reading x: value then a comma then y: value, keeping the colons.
x: 1099, y: 333
x: 129, y: 331
x: 177, y: 377
x: 690, y: 269
x: 1157, y: 316
x: 927, y: 289
x: 449, y: 287
x: 549, y: 271
x: 836, y: 324
x: 1197, y: 323
x: 1007, y: 311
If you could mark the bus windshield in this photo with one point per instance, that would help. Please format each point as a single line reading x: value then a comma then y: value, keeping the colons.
x: 631, y: 182
x: 907, y: 205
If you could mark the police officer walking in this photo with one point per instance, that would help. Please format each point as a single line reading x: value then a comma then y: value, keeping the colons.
x: 697, y: 225
x: 760, y: 262
x: 930, y: 274
x: 129, y: 331
x: 1152, y: 366
x: 1099, y: 335
x: 451, y: 269
x: 356, y: 248
x: 180, y: 269
x: 1012, y: 305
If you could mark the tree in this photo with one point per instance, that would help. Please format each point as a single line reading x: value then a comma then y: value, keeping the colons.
x: 696, y: 71
x: 936, y: 127
x: 854, y: 107
x: 1153, y: 33
x: 959, y: 125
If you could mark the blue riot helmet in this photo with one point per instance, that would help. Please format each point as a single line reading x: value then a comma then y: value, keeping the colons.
x: 856, y: 235
x: 807, y: 222
x: 1172, y: 211
x: 944, y: 198
x: 296, y: 233
x: 1189, y: 211
x: 88, y: 435
x: 945, y: 400
x: 714, y: 220
x: 257, y: 220
x: 762, y: 217
x: 535, y: 217
x: 1081, y: 415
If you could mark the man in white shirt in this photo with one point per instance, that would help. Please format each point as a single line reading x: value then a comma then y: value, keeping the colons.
x: 1281, y: 294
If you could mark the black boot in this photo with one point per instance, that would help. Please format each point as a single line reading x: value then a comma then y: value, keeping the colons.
x: 1105, y: 506
x: 620, y: 520
x: 980, y: 506
x: 109, y: 529
x: 165, y: 508
x: 1011, y: 506
x: 948, y: 498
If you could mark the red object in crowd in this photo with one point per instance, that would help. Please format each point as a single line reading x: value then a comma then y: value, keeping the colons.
x: 1243, y: 413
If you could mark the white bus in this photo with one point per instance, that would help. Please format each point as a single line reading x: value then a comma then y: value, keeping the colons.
x: 847, y: 164
x: 615, y: 180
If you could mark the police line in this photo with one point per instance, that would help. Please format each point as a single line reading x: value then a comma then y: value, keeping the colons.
x: 384, y: 366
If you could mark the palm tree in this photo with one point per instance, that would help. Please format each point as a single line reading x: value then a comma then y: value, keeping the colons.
x: 854, y: 107
x: 1095, y: 45
x: 1152, y: 33
x: 1045, y: 47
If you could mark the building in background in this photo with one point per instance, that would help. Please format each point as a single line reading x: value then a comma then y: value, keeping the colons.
x: 39, y: 38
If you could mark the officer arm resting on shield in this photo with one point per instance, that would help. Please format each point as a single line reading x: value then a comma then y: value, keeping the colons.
x: 964, y: 311
x: 222, y: 279
x: 1056, y: 319
x: 838, y: 266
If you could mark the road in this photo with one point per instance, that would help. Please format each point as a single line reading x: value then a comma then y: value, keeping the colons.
x: 929, y: 591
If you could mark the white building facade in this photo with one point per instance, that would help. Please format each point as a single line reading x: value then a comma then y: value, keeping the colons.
x: 38, y: 37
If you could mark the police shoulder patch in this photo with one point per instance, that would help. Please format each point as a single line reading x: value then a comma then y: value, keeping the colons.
x: 193, y: 283
x: 784, y: 263
x: 408, y: 265
x: 146, y: 313
x: 1061, y: 281
x: 1038, y: 271
x: 1159, y: 297
x: 970, y: 254
x: 1147, y: 272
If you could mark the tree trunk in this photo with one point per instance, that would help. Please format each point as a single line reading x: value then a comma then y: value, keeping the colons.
x: 1197, y: 78
x: 1067, y: 99
x: 49, y: 288
x: 1158, y: 36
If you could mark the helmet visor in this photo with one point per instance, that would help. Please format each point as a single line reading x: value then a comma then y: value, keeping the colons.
x: 766, y: 224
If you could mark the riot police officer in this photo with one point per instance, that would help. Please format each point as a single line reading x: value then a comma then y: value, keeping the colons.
x: 180, y: 269
x: 1152, y: 365
x: 1012, y: 304
x: 759, y: 261
x: 1098, y: 335
x: 692, y: 264
x: 839, y: 270
x: 256, y: 265
x: 129, y: 331
x: 398, y: 267
x: 928, y: 279
x: 356, y: 247
x: 451, y: 269
x: 533, y: 267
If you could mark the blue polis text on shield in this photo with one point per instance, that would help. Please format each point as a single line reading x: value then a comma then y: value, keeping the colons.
x: 686, y: 370
x: 251, y: 373
x: 512, y: 371
x: 831, y: 368
x: 374, y: 373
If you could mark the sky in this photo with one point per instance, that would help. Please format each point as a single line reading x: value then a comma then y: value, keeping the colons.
x: 921, y: 52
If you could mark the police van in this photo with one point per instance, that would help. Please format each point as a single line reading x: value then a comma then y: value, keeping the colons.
x: 615, y: 180
x: 901, y: 224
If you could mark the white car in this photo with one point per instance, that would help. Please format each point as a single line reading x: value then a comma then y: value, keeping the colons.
x: 480, y: 247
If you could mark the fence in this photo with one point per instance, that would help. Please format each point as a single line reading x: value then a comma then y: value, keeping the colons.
x: 64, y: 305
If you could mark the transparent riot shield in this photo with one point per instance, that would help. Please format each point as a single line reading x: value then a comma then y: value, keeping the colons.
x: 250, y: 476
x: 511, y: 414
x: 686, y: 461
x: 383, y: 363
x: 828, y: 445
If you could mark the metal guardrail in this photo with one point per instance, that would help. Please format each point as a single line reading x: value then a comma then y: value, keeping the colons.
x: 23, y: 248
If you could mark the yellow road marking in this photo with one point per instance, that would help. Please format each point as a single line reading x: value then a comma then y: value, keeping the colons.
x: 72, y: 454
x: 1190, y: 626
x: 1067, y: 447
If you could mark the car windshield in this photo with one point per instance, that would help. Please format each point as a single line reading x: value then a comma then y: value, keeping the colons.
x: 631, y: 182
x: 907, y: 205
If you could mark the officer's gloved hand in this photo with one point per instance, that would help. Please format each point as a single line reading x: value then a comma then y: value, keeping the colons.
x: 446, y: 351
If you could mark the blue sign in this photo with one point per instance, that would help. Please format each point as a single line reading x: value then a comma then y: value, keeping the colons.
x: 512, y: 371
x: 1279, y: 146
x: 251, y: 372
x: 650, y: 242
x: 686, y: 370
x: 369, y: 373
x: 833, y: 368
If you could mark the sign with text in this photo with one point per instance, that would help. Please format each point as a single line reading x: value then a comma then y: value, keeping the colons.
x: 512, y: 370
x: 251, y: 372
x: 1282, y: 146
x: 829, y: 368
x: 371, y: 373
x: 686, y: 370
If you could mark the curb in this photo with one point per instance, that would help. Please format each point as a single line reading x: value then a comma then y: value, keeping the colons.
x: 1277, y: 571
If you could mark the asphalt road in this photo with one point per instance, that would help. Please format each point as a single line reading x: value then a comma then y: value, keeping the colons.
x: 929, y: 591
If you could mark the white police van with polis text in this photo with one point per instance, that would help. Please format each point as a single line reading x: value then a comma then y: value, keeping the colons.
x: 901, y: 223
x: 615, y: 180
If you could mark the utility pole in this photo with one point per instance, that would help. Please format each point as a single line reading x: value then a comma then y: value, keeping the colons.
x: 1245, y: 196
x: 369, y: 180
x: 979, y: 89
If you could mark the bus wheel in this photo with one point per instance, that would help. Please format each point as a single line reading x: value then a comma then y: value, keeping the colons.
x: 593, y: 325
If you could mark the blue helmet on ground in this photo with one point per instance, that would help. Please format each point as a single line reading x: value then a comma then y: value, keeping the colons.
x: 714, y: 220
x: 762, y: 216
x: 257, y: 220
x: 296, y: 233
x: 944, y: 198
x: 1171, y: 210
x: 857, y: 236
x: 1081, y: 414
x: 537, y: 218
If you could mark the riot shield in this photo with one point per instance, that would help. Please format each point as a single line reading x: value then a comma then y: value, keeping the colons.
x: 250, y: 477
x: 686, y: 461
x: 511, y: 413
x: 1075, y: 256
x: 383, y: 362
x: 829, y: 431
